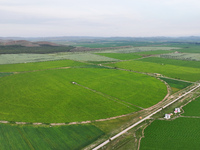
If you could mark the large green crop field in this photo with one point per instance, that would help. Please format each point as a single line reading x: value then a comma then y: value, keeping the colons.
x: 154, y: 52
x: 173, y: 71
x: 39, y: 65
x: 192, y: 109
x: 139, y: 49
x: 42, y: 138
x: 164, y: 61
x: 135, y: 55
x: 50, y: 96
x: 179, y: 134
x: 121, y: 56
x: 189, y: 48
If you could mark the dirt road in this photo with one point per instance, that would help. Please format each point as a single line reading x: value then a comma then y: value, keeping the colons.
x: 147, y: 117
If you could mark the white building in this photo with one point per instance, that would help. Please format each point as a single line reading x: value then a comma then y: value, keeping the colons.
x: 167, y: 116
x: 177, y: 110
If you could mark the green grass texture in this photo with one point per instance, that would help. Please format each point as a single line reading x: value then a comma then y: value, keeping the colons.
x: 2, y: 74
x: 120, y: 56
x: 49, y: 96
x: 154, y: 52
x: 174, y: 71
x: 179, y: 134
x: 72, y: 137
x: 176, y: 84
x: 164, y: 61
x: 192, y: 109
x: 39, y: 65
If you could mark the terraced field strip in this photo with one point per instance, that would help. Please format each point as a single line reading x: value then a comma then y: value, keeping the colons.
x: 147, y: 117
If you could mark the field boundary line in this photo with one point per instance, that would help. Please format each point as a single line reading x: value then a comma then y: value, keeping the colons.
x: 70, y: 123
x: 147, y: 117
x: 143, y: 134
x: 110, y: 97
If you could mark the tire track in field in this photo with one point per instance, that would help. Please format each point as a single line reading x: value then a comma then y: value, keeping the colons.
x: 111, y: 97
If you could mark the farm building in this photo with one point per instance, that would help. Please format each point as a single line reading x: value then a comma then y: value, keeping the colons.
x: 74, y: 83
x: 177, y: 110
x: 167, y: 116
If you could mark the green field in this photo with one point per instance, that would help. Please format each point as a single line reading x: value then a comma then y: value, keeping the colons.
x: 39, y: 65
x: 175, y: 84
x: 120, y: 56
x: 192, y: 109
x: 64, y: 137
x: 146, y: 53
x: 173, y: 71
x: 164, y: 61
x: 135, y: 55
x: 2, y: 74
x: 179, y: 134
x: 189, y: 48
x: 50, y: 96
x: 138, y: 49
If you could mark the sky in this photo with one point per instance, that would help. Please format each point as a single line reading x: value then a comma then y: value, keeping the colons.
x: 105, y: 18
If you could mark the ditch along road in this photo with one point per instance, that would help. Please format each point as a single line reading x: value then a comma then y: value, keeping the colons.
x: 147, y: 117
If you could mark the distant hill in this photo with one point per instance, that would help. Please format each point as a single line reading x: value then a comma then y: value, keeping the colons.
x: 24, y: 46
x: 26, y: 43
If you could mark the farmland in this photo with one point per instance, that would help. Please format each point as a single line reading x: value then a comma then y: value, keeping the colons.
x: 192, y: 109
x: 26, y: 58
x: 175, y: 84
x: 139, y: 49
x: 163, y: 61
x: 154, y: 52
x: 39, y: 65
x: 135, y: 55
x: 4, y: 74
x: 77, y: 88
x: 173, y: 71
x: 182, y: 56
x: 28, y: 137
x: 123, y: 56
x: 189, y: 48
x: 49, y: 96
x: 179, y: 134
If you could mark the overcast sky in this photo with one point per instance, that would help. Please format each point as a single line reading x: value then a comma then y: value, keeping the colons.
x: 134, y: 18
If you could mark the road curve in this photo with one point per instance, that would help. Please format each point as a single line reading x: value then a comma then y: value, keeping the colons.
x: 127, y: 129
